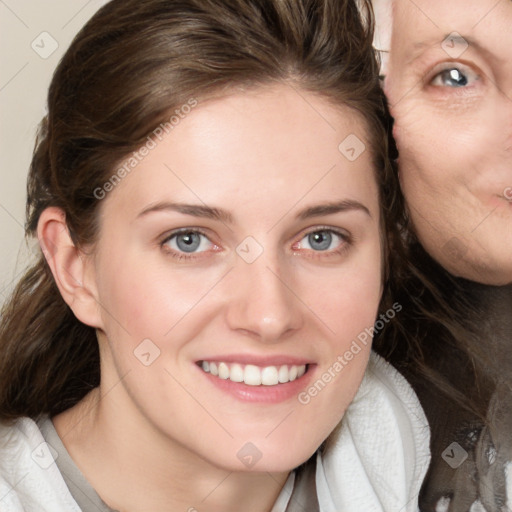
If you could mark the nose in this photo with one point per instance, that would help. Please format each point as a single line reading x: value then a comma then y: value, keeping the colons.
x: 262, y: 302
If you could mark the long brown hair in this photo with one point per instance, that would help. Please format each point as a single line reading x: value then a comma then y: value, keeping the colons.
x: 132, y: 65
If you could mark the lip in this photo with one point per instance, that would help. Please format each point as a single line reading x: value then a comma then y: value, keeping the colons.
x: 260, y: 394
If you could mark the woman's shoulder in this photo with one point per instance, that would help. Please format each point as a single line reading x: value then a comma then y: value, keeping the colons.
x: 29, y: 478
x: 378, y: 457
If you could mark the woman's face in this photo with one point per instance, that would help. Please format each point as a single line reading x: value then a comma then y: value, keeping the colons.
x: 245, y: 244
x: 449, y: 84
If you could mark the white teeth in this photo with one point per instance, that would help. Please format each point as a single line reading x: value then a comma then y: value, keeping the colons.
x: 237, y: 373
x: 223, y: 371
x: 254, y: 375
x: 269, y: 376
x: 283, y: 374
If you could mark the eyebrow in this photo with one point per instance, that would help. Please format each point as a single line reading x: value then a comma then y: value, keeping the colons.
x: 195, y: 210
x: 225, y: 216
x: 331, y: 208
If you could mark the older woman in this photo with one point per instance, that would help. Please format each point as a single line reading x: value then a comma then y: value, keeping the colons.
x: 448, y: 78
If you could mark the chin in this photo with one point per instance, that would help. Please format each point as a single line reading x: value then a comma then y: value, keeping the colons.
x: 255, y: 457
x: 483, y: 271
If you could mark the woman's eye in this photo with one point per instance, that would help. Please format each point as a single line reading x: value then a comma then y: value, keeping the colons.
x: 322, y: 240
x: 453, y: 77
x: 188, y: 242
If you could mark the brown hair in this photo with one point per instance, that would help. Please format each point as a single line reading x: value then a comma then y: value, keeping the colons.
x: 452, y: 343
x: 437, y: 344
x: 130, y: 66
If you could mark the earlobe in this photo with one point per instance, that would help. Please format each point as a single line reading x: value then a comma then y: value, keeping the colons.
x: 69, y: 266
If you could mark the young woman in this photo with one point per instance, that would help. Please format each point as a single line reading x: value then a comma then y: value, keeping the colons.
x: 448, y: 81
x: 218, y: 221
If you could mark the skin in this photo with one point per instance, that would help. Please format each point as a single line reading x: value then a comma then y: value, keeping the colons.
x: 164, y: 428
x: 453, y: 126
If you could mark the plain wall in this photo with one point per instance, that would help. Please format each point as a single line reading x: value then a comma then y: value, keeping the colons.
x: 34, y: 34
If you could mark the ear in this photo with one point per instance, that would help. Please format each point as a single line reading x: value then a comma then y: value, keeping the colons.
x: 71, y: 267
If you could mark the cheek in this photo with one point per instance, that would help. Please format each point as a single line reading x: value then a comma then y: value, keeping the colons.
x: 349, y: 300
x: 145, y: 299
x: 348, y: 310
x: 434, y: 156
x: 351, y: 307
x: 449, y: 147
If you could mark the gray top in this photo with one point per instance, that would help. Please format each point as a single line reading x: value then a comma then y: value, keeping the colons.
x: 81, y: 490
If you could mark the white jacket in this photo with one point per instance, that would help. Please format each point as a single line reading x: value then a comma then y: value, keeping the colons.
x: 376, y: 462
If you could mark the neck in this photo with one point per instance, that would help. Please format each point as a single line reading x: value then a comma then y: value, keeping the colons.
x: 135, y: 468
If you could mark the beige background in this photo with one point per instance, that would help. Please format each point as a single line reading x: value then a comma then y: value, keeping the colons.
x: 25, y: 73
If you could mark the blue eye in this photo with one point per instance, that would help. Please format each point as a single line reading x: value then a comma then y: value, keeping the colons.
x: 188, y: 242
x: 454, y: 77
x: 321, y: 240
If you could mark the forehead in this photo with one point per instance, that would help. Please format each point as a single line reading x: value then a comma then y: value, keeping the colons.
x: 271, y: 147
x: 418, y: 26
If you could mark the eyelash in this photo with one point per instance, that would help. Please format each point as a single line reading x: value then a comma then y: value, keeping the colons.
x: 346, y: 242
x: 180, y: 256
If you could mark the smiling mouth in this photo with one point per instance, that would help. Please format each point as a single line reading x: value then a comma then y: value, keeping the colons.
x: 253, y: 375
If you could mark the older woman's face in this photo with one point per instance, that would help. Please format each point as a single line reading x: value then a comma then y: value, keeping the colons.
x: 449, y: 83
